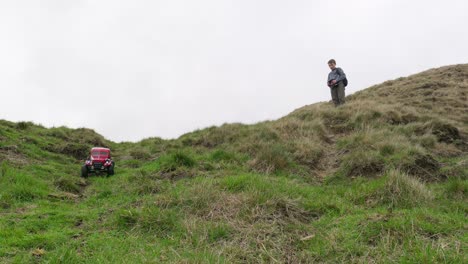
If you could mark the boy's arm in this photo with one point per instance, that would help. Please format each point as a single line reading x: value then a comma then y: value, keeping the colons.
x: 329, y: 81
x: 341, y: 74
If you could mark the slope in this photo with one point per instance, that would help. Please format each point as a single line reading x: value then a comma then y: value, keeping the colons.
x: 381, y: 179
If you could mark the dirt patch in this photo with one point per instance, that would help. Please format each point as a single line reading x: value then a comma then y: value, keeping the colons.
x: 289, y: 209
x: 10, y: 149
x: 368, y: 164
x: 38, y: 252
x: 71, y: 189
x: 369, y: 169
x: 396, y: 118
x: 77, y: 151
x: 67, y: 184
x: 337, y: 124
x: 64, y: 196
x: 79, y: 222
x: 5, y: 204
x: 224, y: 207
x: 447, y: 150
x: 445, y: 132
x: 13, y: 155
x: 175, y: 174
x: 425, y: 167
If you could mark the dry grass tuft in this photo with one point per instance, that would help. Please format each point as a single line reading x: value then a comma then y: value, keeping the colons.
x: 424, y: 166
x: 68, y: 184
x: 367, y: 164
x: 401, y: 190
x: 270, y: 158
x: 75, y: 150
x: 258, y: 231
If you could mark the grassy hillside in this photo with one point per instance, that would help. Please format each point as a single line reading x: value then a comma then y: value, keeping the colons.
x: 381, y: 179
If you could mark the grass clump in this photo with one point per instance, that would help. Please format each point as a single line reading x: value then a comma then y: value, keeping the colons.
x: 142, y: 183
x: 455, y: 169
x: 67, y: 184
x: 219, y: 232
x: 89, y: 137
x: 20, y: 186
x: 127, y: 218
x: 367, y: 164
x: 3, y: 168
x: 58, y: 132
x: 176, y: 160
x: 149, y: 219
x: 444, y: 131
x: 75, y: 150
x: 270, y: 158
x: 139, y: 154
x: 403, y: 191
x: 308, y: 153
x: 132, y: 163
x: 220, y: 155
x: 419, y: 164
x: 457, y: 188
x: 214, y: 136
x: 159, y: 221
x: 372, y: 151
x: 24, y: 125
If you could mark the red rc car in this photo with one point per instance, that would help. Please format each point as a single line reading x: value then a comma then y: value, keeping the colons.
x: 99, y: 160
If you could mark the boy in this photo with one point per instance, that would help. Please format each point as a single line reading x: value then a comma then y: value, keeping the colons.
x: 336, y: 79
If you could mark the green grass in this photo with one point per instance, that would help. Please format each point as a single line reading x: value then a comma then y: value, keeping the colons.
x: 382, y: 179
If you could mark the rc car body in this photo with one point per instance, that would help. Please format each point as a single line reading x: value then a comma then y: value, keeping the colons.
x: 99, y: 160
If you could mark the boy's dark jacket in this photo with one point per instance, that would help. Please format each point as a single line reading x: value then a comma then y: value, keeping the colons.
x: 336, y: 74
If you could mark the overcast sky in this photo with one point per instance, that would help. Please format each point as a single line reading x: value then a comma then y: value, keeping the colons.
x: 137, y: 69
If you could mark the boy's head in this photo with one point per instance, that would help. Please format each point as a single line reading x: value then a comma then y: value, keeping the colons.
x: 332, y: 64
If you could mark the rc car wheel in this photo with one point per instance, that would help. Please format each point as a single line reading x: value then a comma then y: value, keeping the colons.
x: 110, y: 170
x: 84, y: 171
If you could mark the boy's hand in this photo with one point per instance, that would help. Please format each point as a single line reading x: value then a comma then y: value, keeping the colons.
x: 333, y: 82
